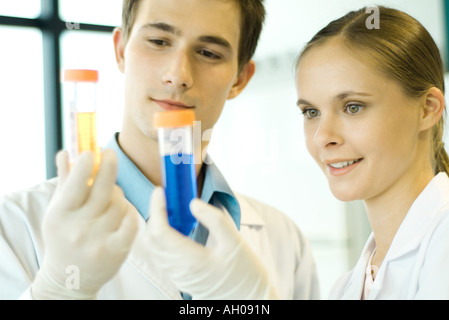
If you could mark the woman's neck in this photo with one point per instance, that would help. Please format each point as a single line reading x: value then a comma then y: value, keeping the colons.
x: 386, y: 211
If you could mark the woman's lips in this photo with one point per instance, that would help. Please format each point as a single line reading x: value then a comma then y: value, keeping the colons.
x: 340, y: 168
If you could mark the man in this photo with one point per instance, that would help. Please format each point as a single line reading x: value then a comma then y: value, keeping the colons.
x: 174, y: 54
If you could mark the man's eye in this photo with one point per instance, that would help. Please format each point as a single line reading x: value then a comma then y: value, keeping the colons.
x: 209, y: 54
x: 158, y: 42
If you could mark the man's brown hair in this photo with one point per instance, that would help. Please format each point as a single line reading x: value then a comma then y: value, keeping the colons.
x: 252, y: 19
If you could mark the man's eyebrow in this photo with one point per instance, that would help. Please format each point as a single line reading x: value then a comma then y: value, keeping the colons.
x: 161, y: 26
x: 216, y: 40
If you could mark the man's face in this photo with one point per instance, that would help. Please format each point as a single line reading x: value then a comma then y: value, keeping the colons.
x: 180, y: 54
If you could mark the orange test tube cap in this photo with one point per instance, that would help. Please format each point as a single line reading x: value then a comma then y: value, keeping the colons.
x: 174, y: 119
x: 80, y: 75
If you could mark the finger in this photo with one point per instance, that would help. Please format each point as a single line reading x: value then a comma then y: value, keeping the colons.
x: 104, y: 183
x: 160, y: 233
x: 158, y: 209
x: 76, y: 187
x: 215, y: 220
x: 115, y: 212
x: 62, y: 166
x: 122, y: 239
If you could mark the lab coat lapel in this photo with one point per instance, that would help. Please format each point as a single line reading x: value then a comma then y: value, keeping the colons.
x: 139, y: 260
x: 420, y: 216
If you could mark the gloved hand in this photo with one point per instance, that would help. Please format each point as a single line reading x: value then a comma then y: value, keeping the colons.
x: 89, y: 226
x: 230, y: 270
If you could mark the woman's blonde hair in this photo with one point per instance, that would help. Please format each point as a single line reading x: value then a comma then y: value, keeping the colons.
x: 402, y: 49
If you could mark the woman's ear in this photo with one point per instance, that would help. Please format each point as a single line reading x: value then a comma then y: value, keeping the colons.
x: 242, y: 80
x: 433, y: 107
x: 119, y: 47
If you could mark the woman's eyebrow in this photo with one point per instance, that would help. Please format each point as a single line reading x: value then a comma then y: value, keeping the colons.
x: 302, y: 101
x: 346, y: 94
x: 338, y: 97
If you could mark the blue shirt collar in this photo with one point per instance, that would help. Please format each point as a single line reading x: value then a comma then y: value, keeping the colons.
x: 138, y: 188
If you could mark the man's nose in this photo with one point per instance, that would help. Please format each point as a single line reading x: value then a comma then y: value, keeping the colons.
x: 178, y: 72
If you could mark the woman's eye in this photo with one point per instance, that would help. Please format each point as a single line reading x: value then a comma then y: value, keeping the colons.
x: 353, y: 108
x: 311, y: 113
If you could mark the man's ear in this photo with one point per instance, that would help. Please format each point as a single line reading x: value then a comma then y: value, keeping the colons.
x: 433, y: 107
x: 242, y: 80
x: 119, y: 47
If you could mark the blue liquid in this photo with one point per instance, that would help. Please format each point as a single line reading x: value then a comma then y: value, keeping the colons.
x: 180, y: 188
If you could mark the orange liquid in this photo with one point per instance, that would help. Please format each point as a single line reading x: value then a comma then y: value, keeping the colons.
x: 87, y: 131
x: 87, y: 136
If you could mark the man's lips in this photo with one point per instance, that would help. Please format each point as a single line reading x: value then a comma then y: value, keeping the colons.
x: 170, y: 105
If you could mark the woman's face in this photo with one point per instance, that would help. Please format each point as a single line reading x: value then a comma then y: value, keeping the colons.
x: 360, y: 127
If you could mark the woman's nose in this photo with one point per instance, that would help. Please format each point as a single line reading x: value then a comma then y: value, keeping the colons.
x: 328, y: 133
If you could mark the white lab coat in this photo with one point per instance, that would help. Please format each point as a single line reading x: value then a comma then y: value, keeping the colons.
x: 417, y: 264
x: 274, y: 237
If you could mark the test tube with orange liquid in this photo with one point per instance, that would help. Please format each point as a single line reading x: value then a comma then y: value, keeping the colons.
x: 80, y: 125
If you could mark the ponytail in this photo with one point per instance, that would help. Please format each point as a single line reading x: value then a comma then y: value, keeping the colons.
x: 441, y: 159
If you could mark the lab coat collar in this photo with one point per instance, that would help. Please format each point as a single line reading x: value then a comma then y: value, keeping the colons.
x: 419, y: 217
x: 252, y: 215
x: 217, y: 191
x: 410, y: 234
x: 136, y: 187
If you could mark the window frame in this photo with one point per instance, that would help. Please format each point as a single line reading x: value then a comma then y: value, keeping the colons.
x: 52, y: 27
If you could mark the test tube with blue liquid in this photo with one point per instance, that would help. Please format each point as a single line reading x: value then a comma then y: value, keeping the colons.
x: 175, y: 132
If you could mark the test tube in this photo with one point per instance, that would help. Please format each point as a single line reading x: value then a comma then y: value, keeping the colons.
x: 80, y: 125
x: 177, y: 166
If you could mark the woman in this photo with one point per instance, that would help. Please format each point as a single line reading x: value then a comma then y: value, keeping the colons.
x: 373, y: 104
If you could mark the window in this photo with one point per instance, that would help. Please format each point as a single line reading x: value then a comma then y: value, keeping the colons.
x: 37, y: 32
x: 21, y: 8
x: 99, y: 12
x: 22, y: 104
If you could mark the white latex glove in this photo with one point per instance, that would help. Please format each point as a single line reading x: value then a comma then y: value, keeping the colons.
x: 228, y: 271
x: 89, y: 226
